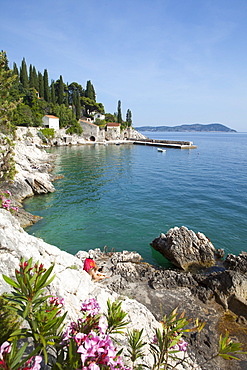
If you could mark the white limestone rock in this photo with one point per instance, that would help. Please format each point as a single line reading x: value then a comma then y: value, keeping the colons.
x: 71, y: 282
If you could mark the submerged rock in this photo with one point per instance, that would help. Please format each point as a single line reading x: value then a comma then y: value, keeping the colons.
x: 185, y: 248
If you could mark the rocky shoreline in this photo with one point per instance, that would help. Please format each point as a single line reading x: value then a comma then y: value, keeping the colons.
x: 217, y: 297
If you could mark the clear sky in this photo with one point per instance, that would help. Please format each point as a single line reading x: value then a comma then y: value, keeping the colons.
x: 169, y: 61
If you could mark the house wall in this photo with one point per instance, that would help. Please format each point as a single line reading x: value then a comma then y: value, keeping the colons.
x: 89, y: 130
x: 113, y: 133
x: 98, y: 116
x: 51, y: 122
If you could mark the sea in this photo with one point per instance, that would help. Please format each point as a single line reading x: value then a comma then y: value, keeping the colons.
x: 121, y: 197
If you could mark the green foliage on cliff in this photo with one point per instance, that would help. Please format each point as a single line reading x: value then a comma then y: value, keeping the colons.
x: 9, y: 322
x: 26, y: 96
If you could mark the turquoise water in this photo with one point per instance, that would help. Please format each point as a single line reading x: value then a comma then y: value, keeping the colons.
x: 124, y: 196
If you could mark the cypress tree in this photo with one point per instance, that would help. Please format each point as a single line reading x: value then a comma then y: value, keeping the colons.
x: 35, y: 79
x: 23, y: 74
x: 119, y: 113
x: 41, y: 85
x: 129, y: 118
x: 15, y: 69
x: 60, y: 95
x: 31, y: 81
x: 90, y: 92
x: 53, y: 94
x: 77, y: 106
x: 46, y: 86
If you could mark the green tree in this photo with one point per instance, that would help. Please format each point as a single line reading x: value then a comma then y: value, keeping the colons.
x: 59, y: 88
x: 46, y: 86
x: 31, y: 81
x: 119, y: 113
x: 41, y: 85
x: 90, y: 92
x: 35, y: 79
x: 15, y: 69
x: 90, y: 106
x: 7, y: 104
x: 129, y: 118
x: 73, y: 88
x: 23, y: 115
x: 65, y: 114
x: 77, y: 106
x: 53, y: 93
x: 110, y: 117
x: 23, y: 74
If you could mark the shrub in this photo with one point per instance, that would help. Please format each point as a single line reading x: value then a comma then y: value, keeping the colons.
x: 49, y: 133
x: 86, y: 343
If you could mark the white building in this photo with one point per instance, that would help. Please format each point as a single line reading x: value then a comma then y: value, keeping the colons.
x: 98, y: 115
x: 51, y: 122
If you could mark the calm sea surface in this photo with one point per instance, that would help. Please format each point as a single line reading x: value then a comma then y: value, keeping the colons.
x: 124, y: 196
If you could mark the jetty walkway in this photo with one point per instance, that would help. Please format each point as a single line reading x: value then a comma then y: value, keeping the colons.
x: 165, y: 143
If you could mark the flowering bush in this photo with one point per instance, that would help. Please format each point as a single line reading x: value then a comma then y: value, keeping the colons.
x: 5, y: 201
x: 86, y: 344
x: 5, y: 359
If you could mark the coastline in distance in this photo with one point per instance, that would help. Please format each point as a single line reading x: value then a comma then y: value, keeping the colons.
x: 212, y: 127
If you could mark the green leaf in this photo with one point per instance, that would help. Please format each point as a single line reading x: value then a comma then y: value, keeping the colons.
x: 18, y: 355
x: 10, y: 281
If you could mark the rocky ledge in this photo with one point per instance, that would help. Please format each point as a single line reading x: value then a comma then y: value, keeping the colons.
x: 147, y: 292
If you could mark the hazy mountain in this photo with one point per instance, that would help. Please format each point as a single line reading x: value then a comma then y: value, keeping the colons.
x: 212, y: 127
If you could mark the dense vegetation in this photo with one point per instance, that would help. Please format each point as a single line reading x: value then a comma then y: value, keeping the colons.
x: 26, y: 95
x: 212, y: 127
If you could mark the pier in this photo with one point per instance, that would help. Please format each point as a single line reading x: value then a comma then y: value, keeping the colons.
x: 165, y: 143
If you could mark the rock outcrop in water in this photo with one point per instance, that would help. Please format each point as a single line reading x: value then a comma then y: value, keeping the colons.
x: 185, y: 248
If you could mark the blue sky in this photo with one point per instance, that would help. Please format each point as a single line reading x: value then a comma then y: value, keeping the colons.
x: 169, y: 61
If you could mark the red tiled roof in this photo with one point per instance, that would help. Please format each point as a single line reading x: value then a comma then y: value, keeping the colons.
x: 50, y: 116
x: 113, y: 124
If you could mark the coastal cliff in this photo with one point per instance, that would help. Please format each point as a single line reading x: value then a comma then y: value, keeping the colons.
x: 147, y: 292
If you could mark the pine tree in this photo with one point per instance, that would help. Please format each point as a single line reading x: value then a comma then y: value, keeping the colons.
x: 23, y: 74
x: 46, y: 86
x: 90, y: 92
x: 119, y: 113
x: 41, y: 85
x: 129, y: 118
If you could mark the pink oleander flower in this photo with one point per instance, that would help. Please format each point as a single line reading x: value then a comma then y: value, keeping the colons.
x: 182, y: 345
x: 5, y: 348
x: 32, y: 364
x: 155, y: 339
x: 8, y: 192
x: 55, y: 301
x: 79, y: 338
x: 91, y: 306
x: 97, y: 349
x: 103, y: 325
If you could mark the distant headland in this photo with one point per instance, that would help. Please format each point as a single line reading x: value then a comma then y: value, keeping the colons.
x: 212, y: 127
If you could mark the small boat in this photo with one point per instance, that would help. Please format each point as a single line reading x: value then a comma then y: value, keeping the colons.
x: 161, y: 150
